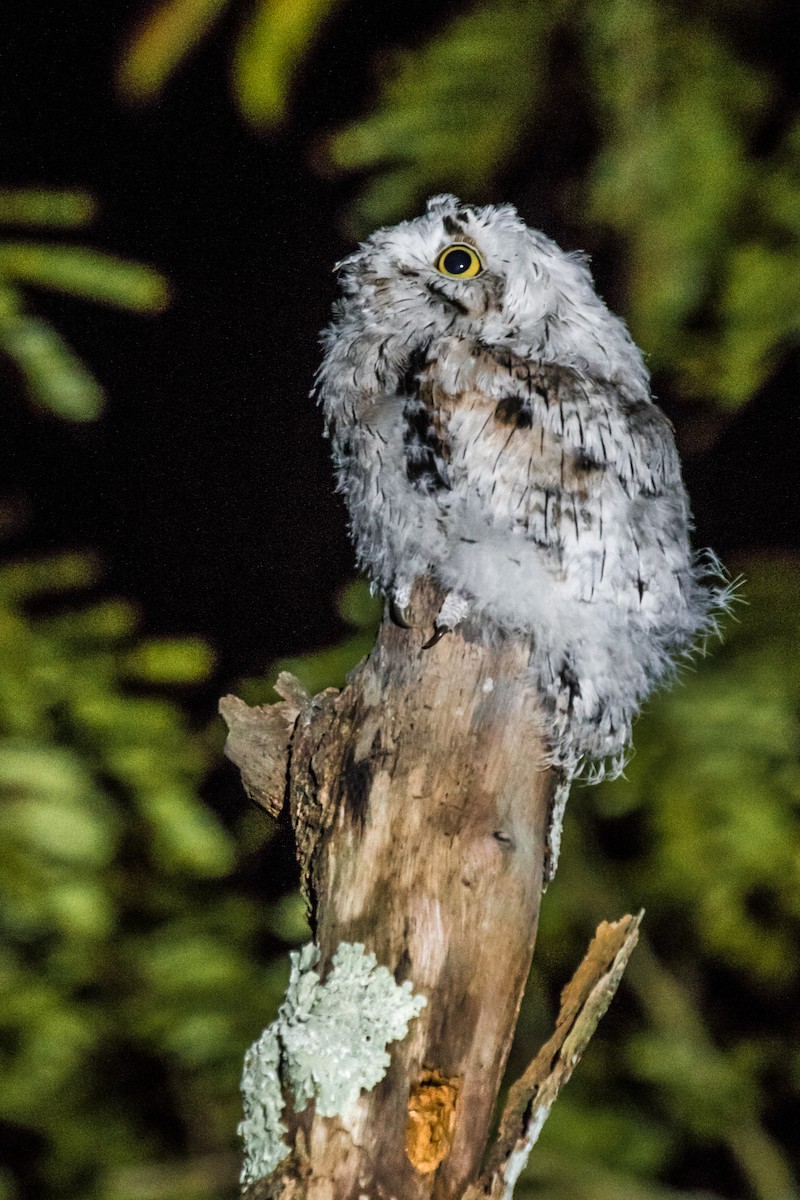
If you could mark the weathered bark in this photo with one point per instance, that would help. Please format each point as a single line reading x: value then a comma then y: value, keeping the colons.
x: 420, y: 798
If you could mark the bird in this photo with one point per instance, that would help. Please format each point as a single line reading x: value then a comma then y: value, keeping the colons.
x: 493, y: 429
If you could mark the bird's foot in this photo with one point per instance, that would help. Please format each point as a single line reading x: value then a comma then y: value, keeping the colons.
x: 400, y: 615
x: 399, y: 606
x: 451, y: 614
x: 436, y: 636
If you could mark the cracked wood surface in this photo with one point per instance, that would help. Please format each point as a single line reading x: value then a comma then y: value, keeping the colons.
x: 420, y: 799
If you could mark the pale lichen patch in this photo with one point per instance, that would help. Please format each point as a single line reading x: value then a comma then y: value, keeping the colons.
x: 335, y: 1033
x: 328, y: 1044
x: 262, y: 1128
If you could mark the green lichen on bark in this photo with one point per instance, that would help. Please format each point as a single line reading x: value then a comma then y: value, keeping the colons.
x: 262, y: 1128
x: 328, y: 1044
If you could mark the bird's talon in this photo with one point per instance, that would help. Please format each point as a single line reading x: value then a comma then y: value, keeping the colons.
x: 436, y: 636
x: 400, y: 615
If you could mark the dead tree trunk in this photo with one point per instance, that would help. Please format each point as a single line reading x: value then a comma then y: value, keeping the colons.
x: 421, y: 799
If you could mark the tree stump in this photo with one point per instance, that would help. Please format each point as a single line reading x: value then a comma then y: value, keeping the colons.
x: 421, y: 799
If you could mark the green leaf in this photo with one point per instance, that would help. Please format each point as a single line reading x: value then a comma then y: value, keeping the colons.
x: 180, y: 962
x: 55, y: 377
x: 675, y: 177
x: 40, y: 208
x: 275, y: 37
x: 8, y: 1188
x: 71, y: 831
x: 100, y: 624
x: 450, y: 113
x: 89, y: 274
x: 329, y: 667
x: 82, y: 909
x: 568, y: 1176
x: 607, y: 1137
x: 106, y: 846
x: 199, y: 1037
x: 47, y: 575
x: 717, y: 779
x: 288, y: 919
x: 186, y: 836
x: 705, y: 228
x: 162, y: 41
x: 713, y: 1096
x: 760, y: 317
x: 359, y: 607
x: 171, y: 661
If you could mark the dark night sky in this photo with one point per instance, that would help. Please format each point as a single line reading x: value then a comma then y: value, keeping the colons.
x: 206, y: 487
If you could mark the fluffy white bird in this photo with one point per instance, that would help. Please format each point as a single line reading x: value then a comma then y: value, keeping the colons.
x: 493, y: 428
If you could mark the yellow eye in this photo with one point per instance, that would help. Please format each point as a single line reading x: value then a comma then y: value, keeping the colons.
x: 459, y: 262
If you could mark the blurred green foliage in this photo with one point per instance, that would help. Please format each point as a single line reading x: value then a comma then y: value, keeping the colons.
x: 704, y: 831
x: 131, y: 978
x: 708, y: 224
x: 131, y: 952
x: 55, y: 377
x: 274, y: 38
x: 160, y: 43
x: 450, y: 113
x: 707, y: 220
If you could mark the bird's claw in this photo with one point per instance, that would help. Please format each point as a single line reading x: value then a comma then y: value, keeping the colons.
x: 436, y: 636
x: 400, y: 615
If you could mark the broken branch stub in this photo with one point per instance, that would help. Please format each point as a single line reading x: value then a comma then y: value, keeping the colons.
x: 420, y: 798
x: 258, y: 743
x: 584, y: 1000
